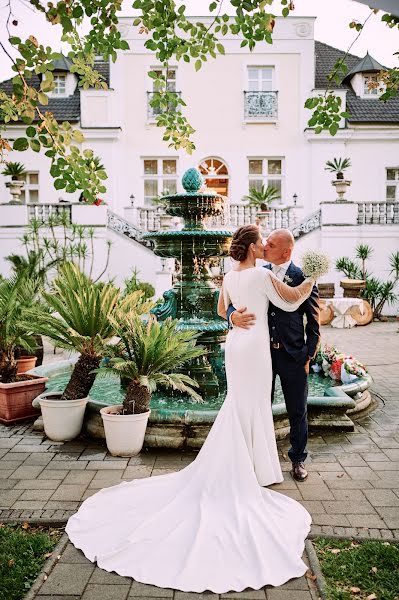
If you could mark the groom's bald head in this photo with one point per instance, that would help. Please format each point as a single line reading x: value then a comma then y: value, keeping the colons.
x: 279, y: 246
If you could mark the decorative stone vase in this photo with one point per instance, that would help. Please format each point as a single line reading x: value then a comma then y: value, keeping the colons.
x: 340, y: 186
x: 15, y: 188
x: 165, y: 221
x: 26, y: 363
x: 263, y: 221
x: 124, y: 434
x: 62, y: 419
x: 352, y: 287
x: 16, y: 399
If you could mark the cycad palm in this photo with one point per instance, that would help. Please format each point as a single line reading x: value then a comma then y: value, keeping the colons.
x: 261, y: 198
x: 16, y: 298
x: 83, y: 322
x: 148, y: 355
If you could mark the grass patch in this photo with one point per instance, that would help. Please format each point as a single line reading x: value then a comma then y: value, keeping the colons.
x: 363, y: 570
x: 23, y: 551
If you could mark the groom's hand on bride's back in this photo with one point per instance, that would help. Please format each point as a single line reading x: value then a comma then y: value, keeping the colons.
x: 242, y: 318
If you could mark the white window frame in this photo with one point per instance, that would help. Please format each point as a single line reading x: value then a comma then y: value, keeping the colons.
x: 160, y: 177
x: 151, y: 85
x: 57, y: 78
x: 392, y: 183
x: 274, y: 88
x: 30, y: 187
x: 260, y: 79
x: 265, y: 177
x: 373, y: 92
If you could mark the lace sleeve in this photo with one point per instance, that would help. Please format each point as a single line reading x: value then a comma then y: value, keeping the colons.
x: 285, y: 297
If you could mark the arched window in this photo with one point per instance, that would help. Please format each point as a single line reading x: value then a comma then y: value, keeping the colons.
x: 216, y: 175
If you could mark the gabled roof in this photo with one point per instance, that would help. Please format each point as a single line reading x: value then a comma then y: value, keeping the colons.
x: 362, y: 110
x: 67, y: 108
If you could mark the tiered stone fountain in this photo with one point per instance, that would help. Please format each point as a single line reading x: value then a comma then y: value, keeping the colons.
x: 193, y: 298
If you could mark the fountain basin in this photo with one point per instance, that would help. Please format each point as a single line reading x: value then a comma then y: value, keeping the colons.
x: 181, y: 423
x: 192, y: 243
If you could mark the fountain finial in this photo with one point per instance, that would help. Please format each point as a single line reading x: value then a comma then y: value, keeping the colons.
x: 192, y: 180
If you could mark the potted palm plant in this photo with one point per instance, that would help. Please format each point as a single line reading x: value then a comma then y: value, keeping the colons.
x: 16, y: 171
x: 339, y: 166
x: 262, y: 198
x: 78, y: 318
x: 16, y: 390
x: 146, y: 356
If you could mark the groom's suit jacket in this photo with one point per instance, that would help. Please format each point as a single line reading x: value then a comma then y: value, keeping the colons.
x: 288, y: 328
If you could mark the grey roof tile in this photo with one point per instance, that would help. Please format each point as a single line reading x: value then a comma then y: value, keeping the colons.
x: 64, y: 109
x: 362, y: 110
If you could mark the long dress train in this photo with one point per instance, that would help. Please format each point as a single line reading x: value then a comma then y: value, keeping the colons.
x: 212, y: 526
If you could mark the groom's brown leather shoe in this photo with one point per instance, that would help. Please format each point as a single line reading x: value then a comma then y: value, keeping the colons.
x: 299, y: 473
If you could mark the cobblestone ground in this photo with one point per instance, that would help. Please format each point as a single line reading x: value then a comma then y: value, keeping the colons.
x: 352, y: 488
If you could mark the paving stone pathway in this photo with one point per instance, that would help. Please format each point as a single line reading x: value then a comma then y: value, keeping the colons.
x: 352, y: 488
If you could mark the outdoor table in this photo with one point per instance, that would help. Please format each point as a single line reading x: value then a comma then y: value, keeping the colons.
x: 341, y: 306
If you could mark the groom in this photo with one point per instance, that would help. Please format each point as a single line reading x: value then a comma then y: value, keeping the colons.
x: 290, y: 351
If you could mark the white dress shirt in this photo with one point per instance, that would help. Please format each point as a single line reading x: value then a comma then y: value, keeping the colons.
x: 281, y: 270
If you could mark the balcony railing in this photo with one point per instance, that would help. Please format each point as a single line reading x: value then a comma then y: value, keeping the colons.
x: 260, y: 105
x: 378, y: 213
x: 154, y: 111
x: 46, y: 212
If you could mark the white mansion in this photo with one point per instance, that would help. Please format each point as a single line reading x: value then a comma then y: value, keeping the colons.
x: 251, y: 129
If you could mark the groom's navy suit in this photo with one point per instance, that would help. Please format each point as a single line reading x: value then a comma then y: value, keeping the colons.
x: 290, y: 352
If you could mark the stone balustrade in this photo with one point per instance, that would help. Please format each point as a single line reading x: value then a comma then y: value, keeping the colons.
x: 378, y: 213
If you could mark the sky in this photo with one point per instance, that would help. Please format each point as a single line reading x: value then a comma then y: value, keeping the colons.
x: 331, y: 27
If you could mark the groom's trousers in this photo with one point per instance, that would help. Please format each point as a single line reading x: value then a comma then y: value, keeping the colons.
x: 294, y: 383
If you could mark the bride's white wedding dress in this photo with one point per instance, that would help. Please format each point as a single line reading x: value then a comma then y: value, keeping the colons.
x: 212, y: 526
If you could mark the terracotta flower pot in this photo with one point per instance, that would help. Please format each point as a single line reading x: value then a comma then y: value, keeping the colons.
x: 16, y: 399
x: 26, y: 363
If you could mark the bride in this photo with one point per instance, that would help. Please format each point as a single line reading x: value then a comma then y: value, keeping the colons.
x: 213, y: 525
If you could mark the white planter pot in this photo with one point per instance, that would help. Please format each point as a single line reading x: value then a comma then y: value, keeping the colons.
x: 124, y: 433
x: 62, y: 419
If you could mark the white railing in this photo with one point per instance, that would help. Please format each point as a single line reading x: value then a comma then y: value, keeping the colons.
x: 311, y: 222
x: 46, y: 212
x: 378, y: 213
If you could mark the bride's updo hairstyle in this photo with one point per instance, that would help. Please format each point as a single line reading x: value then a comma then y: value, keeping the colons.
x: 242, y: 239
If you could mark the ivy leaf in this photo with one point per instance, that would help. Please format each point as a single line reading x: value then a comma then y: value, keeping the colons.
x: 20, y: 144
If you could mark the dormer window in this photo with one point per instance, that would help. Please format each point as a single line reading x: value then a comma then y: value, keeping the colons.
x: 371, y: 85
x: 60, y: 87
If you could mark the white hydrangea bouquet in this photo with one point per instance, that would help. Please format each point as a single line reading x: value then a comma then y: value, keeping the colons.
x: 315, y: 263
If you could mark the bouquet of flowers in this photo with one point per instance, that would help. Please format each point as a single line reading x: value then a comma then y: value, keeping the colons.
x: 337, y: 365
x: 315, y: 264
x: 352, y: 369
